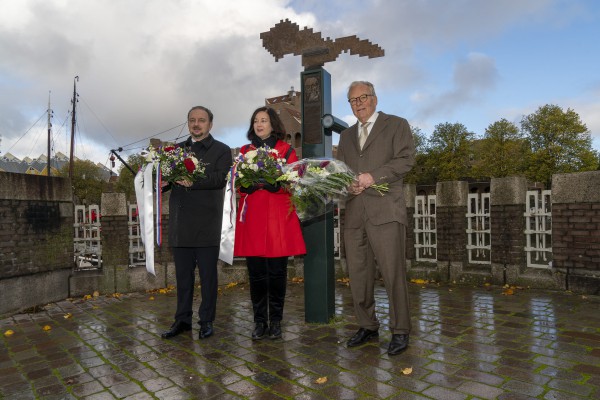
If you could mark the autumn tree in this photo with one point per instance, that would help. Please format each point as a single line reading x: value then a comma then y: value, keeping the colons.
x: 88, y: 181
x: 450, y: 150
x: 501, y: 152
x: 125, y: 182
x: 560, y: 143
x: 421, y: 171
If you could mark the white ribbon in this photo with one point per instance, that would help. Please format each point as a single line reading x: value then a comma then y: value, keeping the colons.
x: 228, y: 221
x: 144, y: 195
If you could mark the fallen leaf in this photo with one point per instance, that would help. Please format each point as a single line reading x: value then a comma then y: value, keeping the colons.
x: 116, y: 295
x: 47, y: 328
x: 419, y: 281
x: 232, y: 285
x: 487, y: 284
x: 321, y: 380
x: 87, y: 297
x: 508, y: 292
x: 67, y: 315
x: 407, y: 371
x: 151, y: 298
x: 9, y: 333
x: 96, y: 293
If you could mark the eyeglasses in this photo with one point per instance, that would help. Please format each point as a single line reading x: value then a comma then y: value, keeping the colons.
x: 360, y: 99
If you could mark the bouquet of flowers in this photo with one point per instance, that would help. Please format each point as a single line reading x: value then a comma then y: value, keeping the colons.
x: 315, y: 182
x: 256, y: 167
x: 175, y: 163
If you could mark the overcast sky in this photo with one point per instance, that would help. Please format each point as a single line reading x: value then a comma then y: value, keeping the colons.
x: 143, y: 63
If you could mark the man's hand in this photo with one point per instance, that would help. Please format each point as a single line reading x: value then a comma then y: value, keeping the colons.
x: 355, y: 189
x: 365, y: 180
x: 185, y: 182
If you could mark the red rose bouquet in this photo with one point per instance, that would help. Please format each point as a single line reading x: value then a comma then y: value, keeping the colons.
x: 175, y: 163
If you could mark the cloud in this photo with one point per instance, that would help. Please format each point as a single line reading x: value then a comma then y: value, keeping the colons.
x: 141, y: 65
x: 472, y: 78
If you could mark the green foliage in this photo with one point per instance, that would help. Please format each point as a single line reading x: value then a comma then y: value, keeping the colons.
x: 451, y: 151
x: 560, y: 143
x: 124, y: 183
x: 420, y: 173
x: 501, y: 152
x: 549, y: 141
x: 88, y: 183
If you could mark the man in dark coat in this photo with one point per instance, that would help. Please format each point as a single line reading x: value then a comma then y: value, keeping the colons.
x: 195, y: 214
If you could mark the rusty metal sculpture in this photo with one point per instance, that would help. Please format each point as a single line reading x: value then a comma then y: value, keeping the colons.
x: 287, y: 38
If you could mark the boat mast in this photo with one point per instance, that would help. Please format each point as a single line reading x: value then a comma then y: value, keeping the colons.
x: 49, y: 133
x: 74, y: 102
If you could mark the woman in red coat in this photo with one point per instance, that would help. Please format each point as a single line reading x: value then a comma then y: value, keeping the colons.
x: 269, y: 231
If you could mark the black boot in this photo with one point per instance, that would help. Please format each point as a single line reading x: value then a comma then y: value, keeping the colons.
x: 275, y: 330
x: 257, y: 274
x: 277, y: 289
x: 260, y: 330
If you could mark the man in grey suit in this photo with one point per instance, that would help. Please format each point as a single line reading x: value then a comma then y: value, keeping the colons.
x: 381, y: 150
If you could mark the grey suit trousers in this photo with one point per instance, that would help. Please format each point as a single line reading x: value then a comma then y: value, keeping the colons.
x: 378, y: 246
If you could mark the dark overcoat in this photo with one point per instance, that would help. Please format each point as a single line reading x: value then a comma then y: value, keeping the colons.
x: 195, y: 213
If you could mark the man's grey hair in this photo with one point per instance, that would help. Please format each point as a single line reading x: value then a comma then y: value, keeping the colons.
x: 363, y: 83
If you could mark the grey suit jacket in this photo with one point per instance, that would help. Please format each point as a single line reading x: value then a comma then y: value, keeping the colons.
x: 388, y: 154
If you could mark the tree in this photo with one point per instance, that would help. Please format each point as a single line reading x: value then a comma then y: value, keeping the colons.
x: 501, y: 152
x: 450, y: 151
x: 421, y: 172
x: 88, y: 182
x: 560, y: 143
x: 125, y: 181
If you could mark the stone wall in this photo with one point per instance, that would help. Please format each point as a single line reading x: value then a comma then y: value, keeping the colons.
x: 36, y: 240
x: 575, y: 236
x: 576, y: 230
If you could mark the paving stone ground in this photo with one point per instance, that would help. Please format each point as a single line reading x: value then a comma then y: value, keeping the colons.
x: 466, y: 343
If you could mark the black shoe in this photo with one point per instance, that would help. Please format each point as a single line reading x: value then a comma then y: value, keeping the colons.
x: 361, y: 337
x: 177, y: 328
x: 206, y: 330
x: 275, y: 330
x: 260, y: 330
x: 398, y: 344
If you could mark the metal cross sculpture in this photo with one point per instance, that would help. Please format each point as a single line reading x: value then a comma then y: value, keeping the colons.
x: 317, y: 127
x: 287, y: 38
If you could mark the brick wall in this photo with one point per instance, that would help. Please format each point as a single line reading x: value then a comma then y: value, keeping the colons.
x: 36, y: 239
x: 576, y: 230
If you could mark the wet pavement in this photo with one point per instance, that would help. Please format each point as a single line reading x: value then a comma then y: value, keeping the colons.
x: 466, y: 343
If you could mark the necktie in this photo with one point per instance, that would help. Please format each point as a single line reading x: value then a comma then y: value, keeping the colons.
x: 362, y: 138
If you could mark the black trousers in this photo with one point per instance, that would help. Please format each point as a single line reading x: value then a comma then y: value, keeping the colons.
x: 268, y: 284
x: 186, y: 260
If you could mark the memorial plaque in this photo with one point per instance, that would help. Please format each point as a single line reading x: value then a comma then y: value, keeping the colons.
x: 313, y: 99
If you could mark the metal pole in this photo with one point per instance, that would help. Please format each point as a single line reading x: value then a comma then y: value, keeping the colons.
x: 74, y: 102
x: 49, y: 134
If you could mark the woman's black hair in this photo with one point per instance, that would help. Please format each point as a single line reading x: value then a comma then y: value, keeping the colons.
x: 276, y: 124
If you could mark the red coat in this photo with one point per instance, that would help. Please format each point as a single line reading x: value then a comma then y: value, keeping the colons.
x: 270, y: 228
